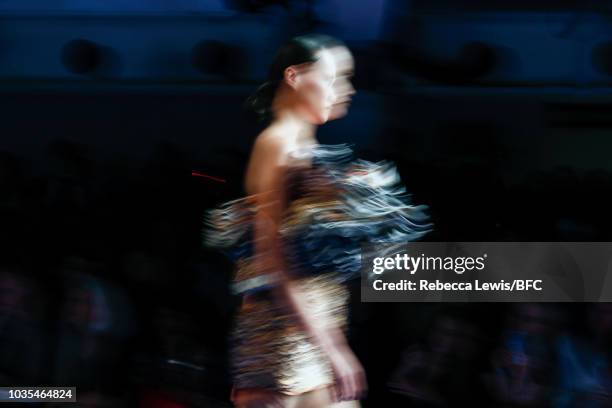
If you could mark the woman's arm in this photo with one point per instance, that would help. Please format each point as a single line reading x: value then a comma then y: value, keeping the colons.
x: 265, y: 179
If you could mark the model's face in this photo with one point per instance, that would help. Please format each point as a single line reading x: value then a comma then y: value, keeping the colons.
x: 324, y: 89
x: 343, y: 88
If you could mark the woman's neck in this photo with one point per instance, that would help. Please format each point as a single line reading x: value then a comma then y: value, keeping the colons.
x: 293, y: 125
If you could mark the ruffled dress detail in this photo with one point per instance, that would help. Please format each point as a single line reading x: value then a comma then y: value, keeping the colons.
x: 334, y: 206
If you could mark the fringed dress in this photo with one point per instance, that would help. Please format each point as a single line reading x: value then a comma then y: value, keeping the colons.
x: 333, y: 206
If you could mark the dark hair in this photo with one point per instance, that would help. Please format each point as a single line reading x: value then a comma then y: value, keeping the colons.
x: 298, y: 50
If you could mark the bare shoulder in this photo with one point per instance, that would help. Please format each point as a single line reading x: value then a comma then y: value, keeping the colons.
x: 270, y: 139
x: 267, y: 157
x: 270, y: 147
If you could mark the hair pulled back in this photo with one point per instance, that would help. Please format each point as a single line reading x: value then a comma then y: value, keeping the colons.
x: 299, y: 50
